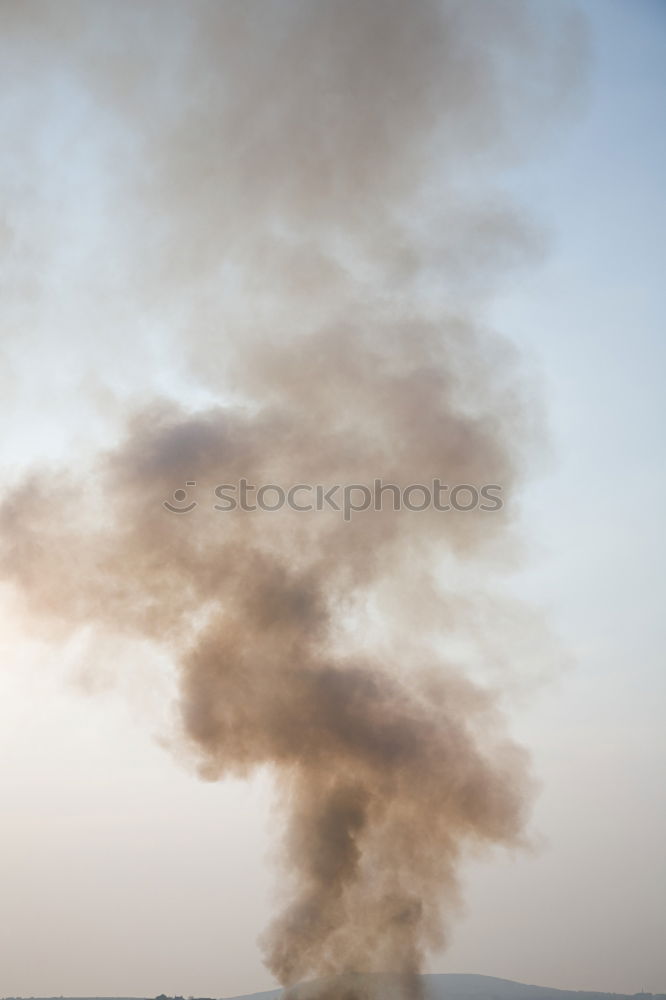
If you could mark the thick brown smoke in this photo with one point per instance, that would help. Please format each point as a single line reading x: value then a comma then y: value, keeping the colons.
x: 299, y: 196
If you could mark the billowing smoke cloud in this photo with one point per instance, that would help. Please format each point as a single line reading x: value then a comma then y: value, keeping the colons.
x: 297, y: 194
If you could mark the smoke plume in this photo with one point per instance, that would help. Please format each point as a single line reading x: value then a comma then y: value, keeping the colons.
x: 297, y: 200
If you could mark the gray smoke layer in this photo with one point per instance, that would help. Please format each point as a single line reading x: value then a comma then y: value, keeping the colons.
x: 298, y: 194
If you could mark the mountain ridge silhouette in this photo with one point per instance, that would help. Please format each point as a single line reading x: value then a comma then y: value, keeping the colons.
x: 437, y: 986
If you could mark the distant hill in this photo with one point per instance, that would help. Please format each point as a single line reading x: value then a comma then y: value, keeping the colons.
x: 437, y: 987
x: 465, y: 987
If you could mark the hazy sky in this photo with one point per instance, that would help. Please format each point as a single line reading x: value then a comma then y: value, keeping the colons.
x: 120, y: 872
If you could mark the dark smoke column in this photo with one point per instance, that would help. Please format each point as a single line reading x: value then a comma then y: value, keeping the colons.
x: 309, y: 189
